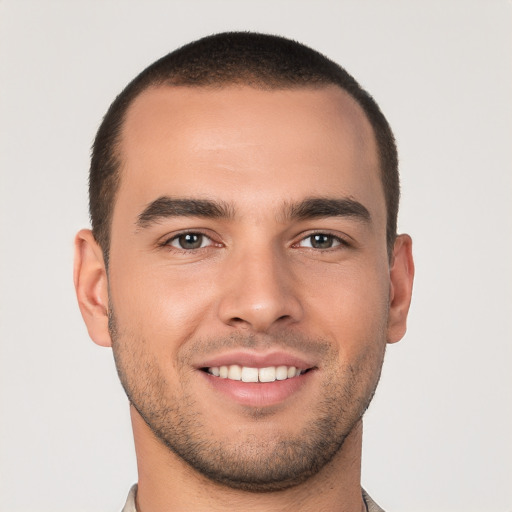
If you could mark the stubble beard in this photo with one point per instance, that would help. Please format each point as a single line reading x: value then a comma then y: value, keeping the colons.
x: 263, y: 463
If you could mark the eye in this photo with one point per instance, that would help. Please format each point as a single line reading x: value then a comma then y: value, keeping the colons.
x: 320, y: 241
x: 189, y: 241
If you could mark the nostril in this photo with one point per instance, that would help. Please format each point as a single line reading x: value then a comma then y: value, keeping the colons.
x: 238, y: 322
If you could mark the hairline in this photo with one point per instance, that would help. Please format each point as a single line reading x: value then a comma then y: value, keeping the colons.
x: 134, y: 90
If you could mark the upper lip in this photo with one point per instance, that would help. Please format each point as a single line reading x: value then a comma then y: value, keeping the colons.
x: 253, y: 359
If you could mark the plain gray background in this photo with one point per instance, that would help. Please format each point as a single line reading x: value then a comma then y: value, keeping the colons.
x: 437, y: 436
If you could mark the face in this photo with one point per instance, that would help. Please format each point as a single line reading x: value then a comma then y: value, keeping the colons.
x: 249, y: 282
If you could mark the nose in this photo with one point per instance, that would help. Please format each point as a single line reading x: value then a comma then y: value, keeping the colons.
x: 258, y: 292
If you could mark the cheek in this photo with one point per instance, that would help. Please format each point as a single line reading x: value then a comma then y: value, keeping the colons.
x: 350, y: 305
x: 161, y: 304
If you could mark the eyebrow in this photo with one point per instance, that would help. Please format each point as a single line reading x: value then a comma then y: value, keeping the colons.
x: 321, y: 207
x: 165, y: 207
x: 310, y: 208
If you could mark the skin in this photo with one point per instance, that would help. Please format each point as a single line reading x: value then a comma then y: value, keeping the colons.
x: 255, y: 285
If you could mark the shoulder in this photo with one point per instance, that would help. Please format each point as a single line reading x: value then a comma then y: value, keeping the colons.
x: 130, y: 500
x: 371, y: 506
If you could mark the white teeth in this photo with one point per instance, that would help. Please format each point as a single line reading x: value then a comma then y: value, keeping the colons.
x: 235, y: 372
x: 281, y: 373
x: 292, y: 371
x: 248, y: 374
x: 267, y: 374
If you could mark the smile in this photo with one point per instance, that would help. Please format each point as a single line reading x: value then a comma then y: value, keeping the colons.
x: 249, y: 374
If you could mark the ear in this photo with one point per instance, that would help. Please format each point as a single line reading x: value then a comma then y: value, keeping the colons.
x: 91, y: 285
x: 401, y: 277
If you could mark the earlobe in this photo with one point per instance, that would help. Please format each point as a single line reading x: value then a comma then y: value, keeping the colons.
x: 401, y: 277
x: 91, y: 286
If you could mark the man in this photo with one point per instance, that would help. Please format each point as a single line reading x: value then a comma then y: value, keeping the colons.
x: 244, y: 266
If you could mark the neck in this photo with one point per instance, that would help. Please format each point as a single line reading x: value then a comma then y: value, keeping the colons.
x: 167, y: 483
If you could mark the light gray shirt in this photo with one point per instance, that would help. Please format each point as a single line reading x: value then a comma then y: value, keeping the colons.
x: 371, y: 506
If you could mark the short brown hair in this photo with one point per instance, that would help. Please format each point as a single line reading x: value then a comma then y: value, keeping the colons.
x: 245, y: 58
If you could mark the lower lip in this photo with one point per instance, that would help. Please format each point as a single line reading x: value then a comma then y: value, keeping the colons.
x: 258, y: 394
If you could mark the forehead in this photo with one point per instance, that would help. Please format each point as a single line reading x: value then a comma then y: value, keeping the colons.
x: 246, y: 144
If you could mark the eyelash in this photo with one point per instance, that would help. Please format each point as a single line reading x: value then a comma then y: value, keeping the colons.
x: 167, y: 243
x: 338, y: 242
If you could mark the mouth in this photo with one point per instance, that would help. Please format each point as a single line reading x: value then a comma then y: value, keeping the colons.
x: 258, y: 382
x: 258, y: 379
x: 267, y: 374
